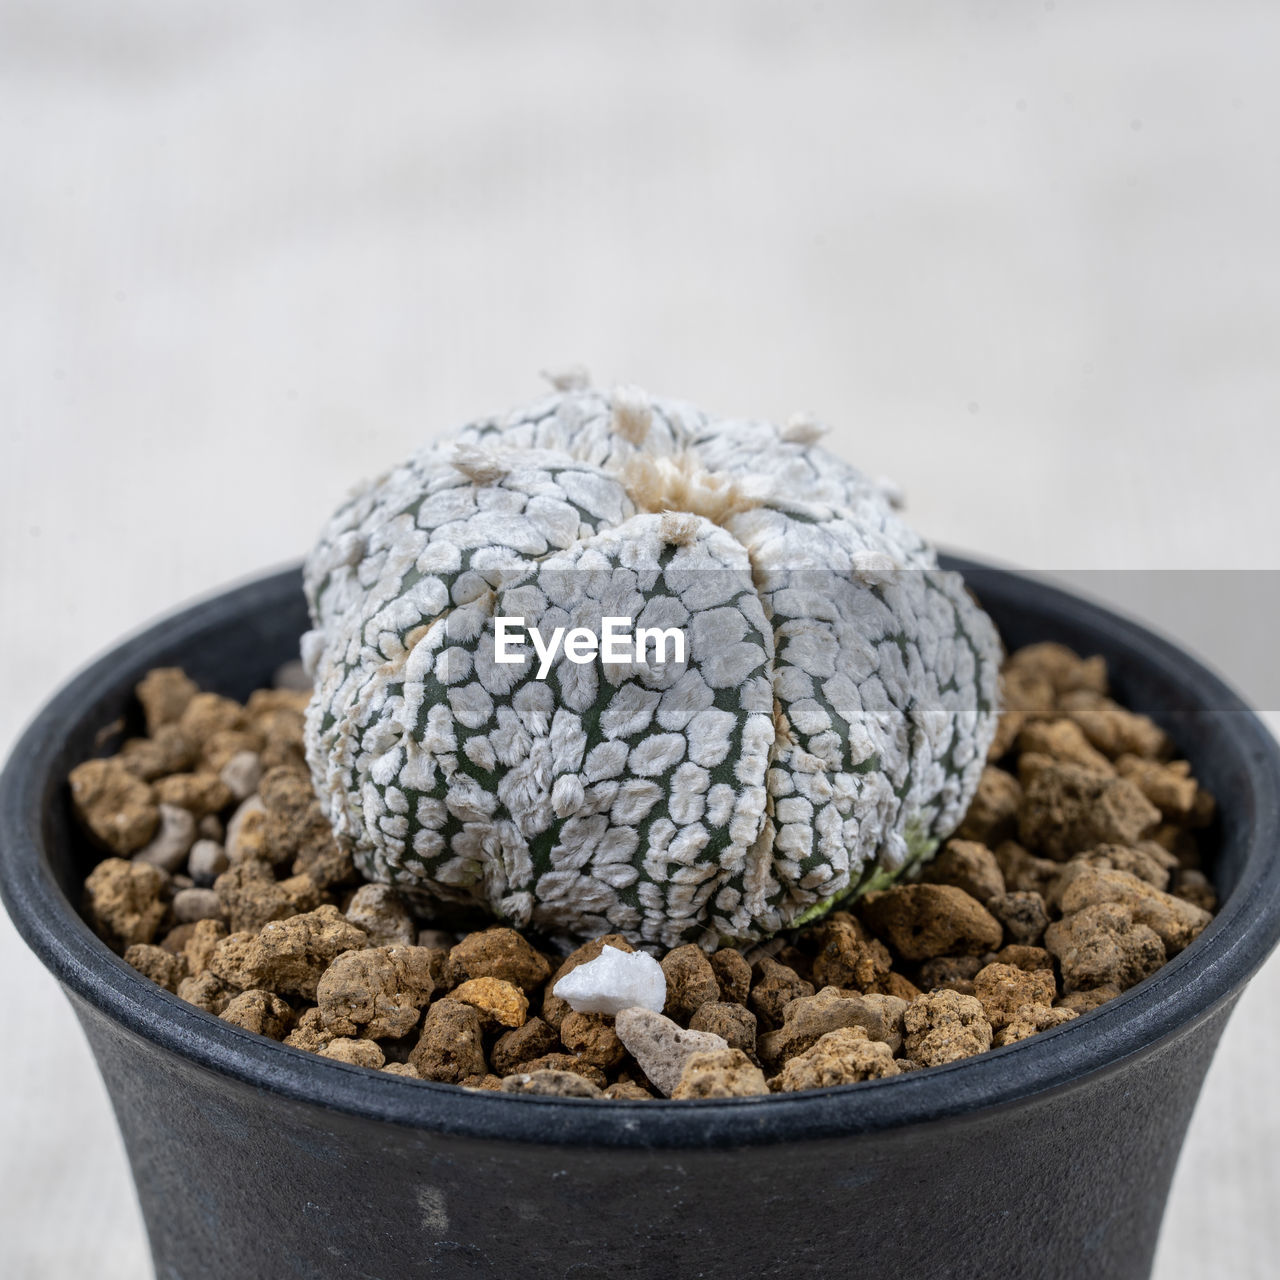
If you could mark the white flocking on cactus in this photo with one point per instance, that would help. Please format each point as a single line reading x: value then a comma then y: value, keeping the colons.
x: 826, y: 729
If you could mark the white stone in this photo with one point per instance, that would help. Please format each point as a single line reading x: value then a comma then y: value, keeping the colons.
x: 613, y: 981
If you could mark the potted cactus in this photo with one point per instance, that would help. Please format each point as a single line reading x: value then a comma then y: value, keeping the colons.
x: 822, y: 728
x: 608, y: 665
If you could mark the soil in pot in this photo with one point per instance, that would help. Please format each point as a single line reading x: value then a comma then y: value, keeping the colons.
x: 1075, y: 875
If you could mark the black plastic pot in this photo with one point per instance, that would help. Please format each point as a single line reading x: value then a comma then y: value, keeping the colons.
x: 1049, y: 1158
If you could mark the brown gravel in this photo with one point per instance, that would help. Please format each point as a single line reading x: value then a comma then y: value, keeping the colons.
x: 499, y: 1003
x: 733, y: 1023
x: 845, y: 1056
x: 722, y: 1073
x: 733, y: 974
x: 118, y: 808
x: 592, y: 1038
x: 775, y: 986
x: 1075, y: 874
x: 968, y: 865
x: 691, y: 982
x: 523, y: 1044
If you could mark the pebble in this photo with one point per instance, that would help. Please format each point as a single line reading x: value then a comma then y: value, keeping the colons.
x: 358, y: 1053
x: 118, y: 808
x: 1022, y: 913
x: 156, y: 963
x: 810, y: 1018
x: 451, y: 1046
x: 613, y: 981
x: 691, y: 982
x: 969, y: 866
x: 848, y: 956
x: 843, y: 1056
x: 568, y: 1062
x: 627, y: 1091
x: 211, y: 827
x: 206, y: 862
x: 310, y: 1032
x: 1030, y: 1020
x: 775, y: 987
x: 660, y: 1046
x: 260, y: 1011
x: 381, y: 912
x: 1067, y: 808
x: 550, y: 1084
x: 169, y: 847
x: 993, y: 813
x: 555, y: 1010
x: 591, y: 1036
x: 514, y: 1048
x: 200, y: 944
x: 376, y: 992
x: 289, y: 955
x: 254, y: 804
x: 190, y: 905
x: 499, y: 953
x: 164, y: 693
x: 401, y: 1069
x: 486, y: 1082
x: 735, y: 1024
x: 1178, y: 923
x: 725, y: 1073
x: 733, y: 974
x: 1003, y: 989
x: 241, y: 774
x: 206, y: 991
x: 500, y: 1003
x: 921, y: 921
x: 945, y: 1026
x: 1103, y: 945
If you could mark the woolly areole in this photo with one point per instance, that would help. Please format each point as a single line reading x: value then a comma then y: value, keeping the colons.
x: 826, y: 730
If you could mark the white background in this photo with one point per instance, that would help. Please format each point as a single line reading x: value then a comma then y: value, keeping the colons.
x: 1022, y: 256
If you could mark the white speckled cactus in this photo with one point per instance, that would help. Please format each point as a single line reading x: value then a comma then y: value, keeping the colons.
x: 827, y: 729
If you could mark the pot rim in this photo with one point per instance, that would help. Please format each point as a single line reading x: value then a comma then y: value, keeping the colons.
x: 1187, y: 989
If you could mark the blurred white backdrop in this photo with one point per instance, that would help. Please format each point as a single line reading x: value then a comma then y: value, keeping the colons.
x: 1023, y: 258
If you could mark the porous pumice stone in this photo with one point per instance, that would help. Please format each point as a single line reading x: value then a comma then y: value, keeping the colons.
x: 826, y: 730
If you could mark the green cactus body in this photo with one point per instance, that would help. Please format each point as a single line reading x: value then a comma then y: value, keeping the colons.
x: 826, y: 729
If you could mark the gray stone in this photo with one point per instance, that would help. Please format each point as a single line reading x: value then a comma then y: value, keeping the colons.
x: 206, y: 862
x: 242, y: 773
x: 660, y: 1046
x: 169, y: 847
x: 190, y: 905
